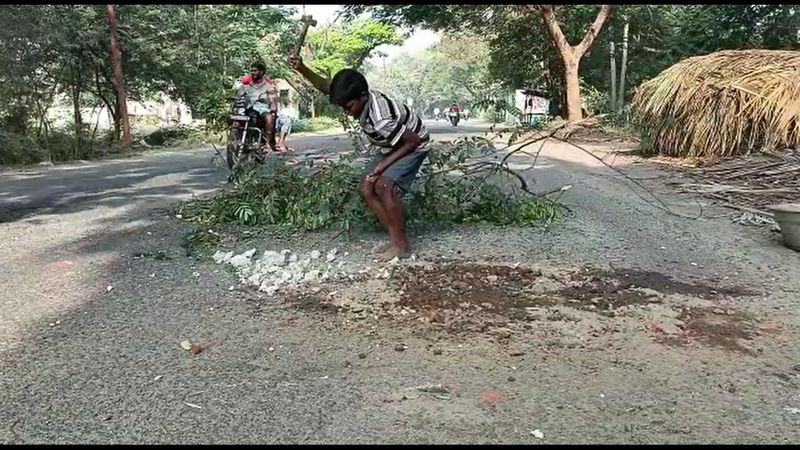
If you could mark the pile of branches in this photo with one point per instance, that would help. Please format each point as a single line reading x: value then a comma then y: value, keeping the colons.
x: 465, y: 181
x: 468, y: 180
x: 751, y: 183
x: 722, y: 104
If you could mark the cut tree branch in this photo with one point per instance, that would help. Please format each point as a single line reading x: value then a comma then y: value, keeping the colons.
x: 364, y: 55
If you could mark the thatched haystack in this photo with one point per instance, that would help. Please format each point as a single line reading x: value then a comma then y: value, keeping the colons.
x: 723, y: 104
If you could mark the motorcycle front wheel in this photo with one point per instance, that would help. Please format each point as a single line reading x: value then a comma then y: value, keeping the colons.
x: 232, y: 149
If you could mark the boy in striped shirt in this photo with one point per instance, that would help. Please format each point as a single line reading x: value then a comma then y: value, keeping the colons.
x: 392, y: 127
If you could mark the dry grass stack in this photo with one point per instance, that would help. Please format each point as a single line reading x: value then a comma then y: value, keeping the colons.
x: 723, y: 104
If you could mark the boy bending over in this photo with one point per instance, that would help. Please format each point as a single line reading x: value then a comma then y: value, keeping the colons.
x: 396, y: 131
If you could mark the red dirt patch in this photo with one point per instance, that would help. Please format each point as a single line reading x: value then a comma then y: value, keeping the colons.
x: 713, y: 329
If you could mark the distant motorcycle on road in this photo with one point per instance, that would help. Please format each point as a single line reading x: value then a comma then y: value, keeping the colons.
x: 454, y: 117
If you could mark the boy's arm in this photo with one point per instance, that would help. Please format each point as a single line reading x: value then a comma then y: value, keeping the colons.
x: 323, y: 84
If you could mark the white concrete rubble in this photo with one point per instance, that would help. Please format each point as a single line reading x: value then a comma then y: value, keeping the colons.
x: 243, y: 259
x: 275, y: 270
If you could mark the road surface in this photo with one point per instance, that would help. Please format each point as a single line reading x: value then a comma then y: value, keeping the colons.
x: 96, y: 293
x: 153, y: 177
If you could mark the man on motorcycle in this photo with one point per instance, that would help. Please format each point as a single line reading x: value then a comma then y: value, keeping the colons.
x: 454, y: 114
x: 262, y: 94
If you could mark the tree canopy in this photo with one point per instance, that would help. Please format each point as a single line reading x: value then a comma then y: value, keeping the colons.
x: 521, y: 53
x: 452, y: 71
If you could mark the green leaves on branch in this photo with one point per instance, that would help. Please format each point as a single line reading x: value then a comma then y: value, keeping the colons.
x: 276, y: 194
x: 452, y: 189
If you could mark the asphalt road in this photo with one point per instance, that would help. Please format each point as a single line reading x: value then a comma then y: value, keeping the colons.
x: 96, y: 293
x: 153, y: 177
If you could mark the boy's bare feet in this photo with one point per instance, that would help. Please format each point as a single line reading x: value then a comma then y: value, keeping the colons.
x: 380, y: 248
x: 395, y: 252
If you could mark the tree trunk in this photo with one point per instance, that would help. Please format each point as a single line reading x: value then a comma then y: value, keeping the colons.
x: 111, y: 110
x: 571, y: 55
x: 76, y: 105
x: 573, y: 90
x: 360, y: 60
x: 623, y: 68
x: 119, y: 84
x: 117, y: 123
x: 613, y: 97
x: 96, y: 112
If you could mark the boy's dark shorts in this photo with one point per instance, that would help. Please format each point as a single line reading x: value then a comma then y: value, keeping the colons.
x: 404, y: 170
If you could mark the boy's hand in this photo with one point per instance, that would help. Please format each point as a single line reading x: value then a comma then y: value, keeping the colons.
x: 376, y: 173
x: 319, y: 82
x: 373, y: 177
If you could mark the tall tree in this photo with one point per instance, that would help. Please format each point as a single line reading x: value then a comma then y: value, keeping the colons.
x: 119, y: 81
x: 493, y: 20
x: 571, y: 55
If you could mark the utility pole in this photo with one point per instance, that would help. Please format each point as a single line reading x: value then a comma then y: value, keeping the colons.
x: 612, y: 102
x: 623, y: 68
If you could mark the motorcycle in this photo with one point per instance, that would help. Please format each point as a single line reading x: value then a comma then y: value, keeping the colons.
x: 247, y: 136
x: 454, y: 118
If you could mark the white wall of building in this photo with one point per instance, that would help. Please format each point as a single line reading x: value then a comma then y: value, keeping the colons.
x: 165, y: 111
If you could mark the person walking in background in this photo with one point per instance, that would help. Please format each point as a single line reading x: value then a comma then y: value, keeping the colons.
x: 286, y: 116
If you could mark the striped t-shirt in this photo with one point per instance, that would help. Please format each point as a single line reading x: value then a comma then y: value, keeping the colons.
x: 384, y: 121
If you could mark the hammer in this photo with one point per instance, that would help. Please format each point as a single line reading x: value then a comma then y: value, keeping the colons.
x: 307, y: 22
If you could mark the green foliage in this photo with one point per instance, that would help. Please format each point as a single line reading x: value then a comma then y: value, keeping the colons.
x: 58, y: 145
x: 192, y: 52
x: 346, y: 45
x: 321, y: 123
x: 277, y: 194
x: 178, y: 135
x: 452, y: 71
x: 521, y: 53
x: 210, y: 47
x: 19, y: 149
x: 595, y: 101
x: 340, y: 46
x: 326, y: 196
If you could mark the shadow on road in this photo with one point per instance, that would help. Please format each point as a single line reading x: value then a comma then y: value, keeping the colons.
x: 109, y: 184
